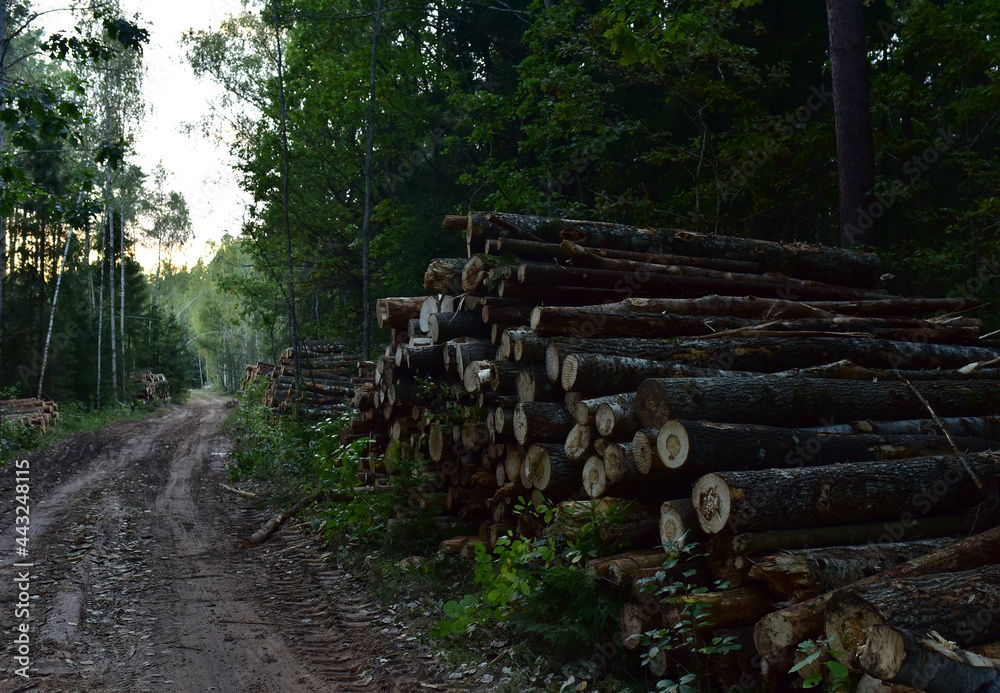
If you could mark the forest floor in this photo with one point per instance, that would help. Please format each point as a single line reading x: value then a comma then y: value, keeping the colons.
x: 138, y: 583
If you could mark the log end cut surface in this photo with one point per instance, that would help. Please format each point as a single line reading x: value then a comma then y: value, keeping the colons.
x: 712, y: 500
x: 672, y: 444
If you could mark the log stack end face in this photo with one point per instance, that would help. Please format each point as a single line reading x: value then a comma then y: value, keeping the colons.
x: 713, y: 501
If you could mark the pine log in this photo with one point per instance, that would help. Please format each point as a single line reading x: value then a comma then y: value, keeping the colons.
x: 609, y: 375
x: 577, y: 445
x: 426, y: 360
x: 960, y: 606
x: 430, y: 306
x: 444, y: 275
x: 485, y: 225
x: 396, y: 313
x: 801, y: 574
x: 531, y: 385
x: 776, y: 634
x: 769, y: 499
x: 551, y: 471
x: 476, y: 376
x: 595, y: 481
x: 900, y: 656
x: 464, y: 323
x: 469, y: 350
x: 701, y: 447
x: 793, y: 402
x: 541, y: 422
x: 506, y: 315
x: 512, y: 463
x: 618, y: 463
x: 627, y: 562
x: 503, y: 421
x: 772, y: 354
x: 617, y: 420
x: 637, y: 619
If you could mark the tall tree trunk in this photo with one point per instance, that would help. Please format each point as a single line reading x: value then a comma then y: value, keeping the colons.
x: 121, y: 294
x: 52, y: 314
x: 3, y: 221
x: 100, y: 316
x: 853, y: 123
x: 366, y: 225
x: 284, y: 196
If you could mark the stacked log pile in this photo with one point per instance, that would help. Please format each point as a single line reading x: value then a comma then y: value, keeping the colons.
x: 326, y: 381
x: 30, y: 412
x: 257, y: 372
x: 149, y: 386
x: 766, y: 400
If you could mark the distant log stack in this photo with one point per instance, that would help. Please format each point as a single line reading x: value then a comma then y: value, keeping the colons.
x: 33, y: 412
x: 148, y: 386
x: 326, y: 381
x: 768, y: 397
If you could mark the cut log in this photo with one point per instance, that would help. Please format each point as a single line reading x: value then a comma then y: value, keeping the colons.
x: 838, y: 494
x: 637, y: 619
x: 503, y: 376
x: 899, y: 656
x: 570, y: 251
x: 701, y: 447
x: 506, y: 315
x: 776, y: 634
x: 798, y: 259
x: 585, y: 411
x: 577, y: 445
x: 960, y: 606
x: 627, y: 563
x: 982, y: 427
x: 644, y: 451
x: 532, y: 386
x: 595, y: 481
x: 396, y: 313
x: 530, y: 348
x: 679, y: 523
x: 464, y: 323
x: 508, y: 340
x: 430, y: 306
x: 617, y: 420
x: 740, y: 606
x: 541, y: 422
x: 426, y: 360
x: 618, y: 463
x: 609, y: 375
x: 469, y: 350
x: 444, y: 275
x: 551, y: 471
x: 807, y: 402
x: 476, y: 376
x: 772, y: 354
x: 801, y: 574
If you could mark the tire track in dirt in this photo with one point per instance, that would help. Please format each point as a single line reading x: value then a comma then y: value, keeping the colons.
x: 140, y: 586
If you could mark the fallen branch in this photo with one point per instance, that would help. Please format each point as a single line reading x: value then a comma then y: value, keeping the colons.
x: 238, y: 492
x: 275, y: 523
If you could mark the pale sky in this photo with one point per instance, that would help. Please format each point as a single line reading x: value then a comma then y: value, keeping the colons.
x: 196, y: 167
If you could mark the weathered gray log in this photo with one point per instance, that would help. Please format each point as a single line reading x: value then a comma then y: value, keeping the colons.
x: 806, y: 402
x: 982, y: 427
x: 701, y: 447
x: 772, y: 354
x: 960, y: 606
x: 508, y: 339
x: 530, y: 348
x: 541, y: 422
x: 797, y: 259
x: 900, y: 656
x: 800, y: 574
x: 644, y: 451
x: 609, y: 375
x: 839, y: 494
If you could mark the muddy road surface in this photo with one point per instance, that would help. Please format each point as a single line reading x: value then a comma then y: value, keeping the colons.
x: 136, y: 582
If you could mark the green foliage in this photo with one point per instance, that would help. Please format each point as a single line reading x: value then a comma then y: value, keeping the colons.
x: 539, y: 588
x: 683, y: 637
x: 15, y: 436
x: 267, y: 446
x: 818, y: 658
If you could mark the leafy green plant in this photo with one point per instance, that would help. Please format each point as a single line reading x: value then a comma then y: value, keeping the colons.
x: 683, y: 641
x: 838, y: 677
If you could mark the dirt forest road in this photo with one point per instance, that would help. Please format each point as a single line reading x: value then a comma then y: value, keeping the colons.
x: 137, y: 583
